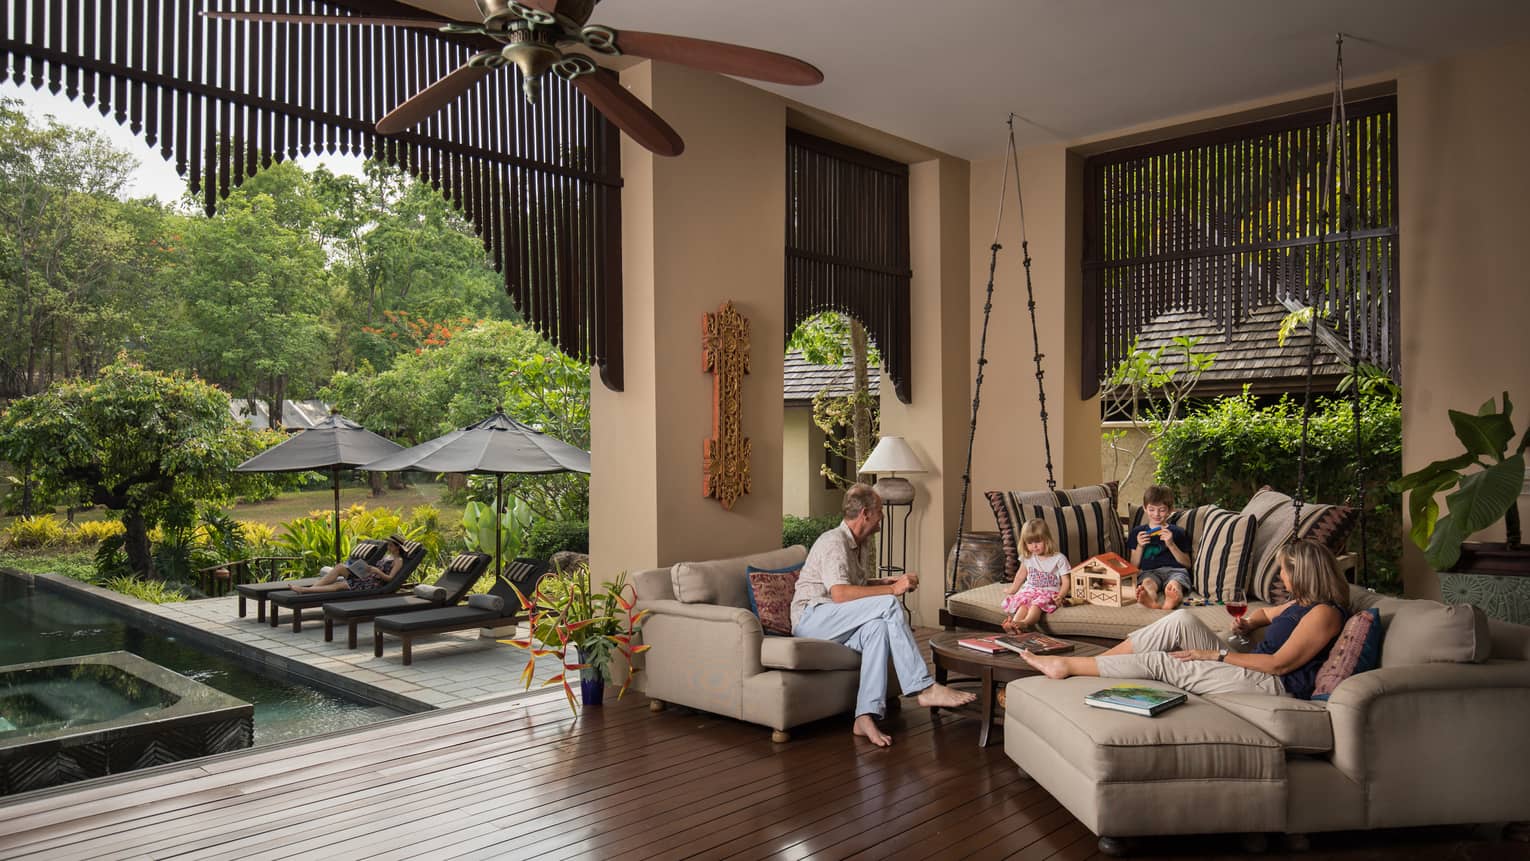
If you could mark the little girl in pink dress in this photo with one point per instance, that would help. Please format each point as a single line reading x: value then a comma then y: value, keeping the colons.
x: 1041, y: 582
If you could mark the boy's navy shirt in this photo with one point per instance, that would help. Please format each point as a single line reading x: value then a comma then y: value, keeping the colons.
x: 1155, y: 554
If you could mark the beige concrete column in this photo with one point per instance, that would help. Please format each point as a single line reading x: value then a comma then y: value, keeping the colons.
x: 935, y: 423
x: 696, y: 230
x: 1462, y: 187
x: 1008, y: 453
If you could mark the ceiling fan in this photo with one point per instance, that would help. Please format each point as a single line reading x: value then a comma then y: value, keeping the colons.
x: 532, y: 35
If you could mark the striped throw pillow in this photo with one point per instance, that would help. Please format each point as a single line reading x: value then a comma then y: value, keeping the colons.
x: 1330, y: 524
x: 1224, y: 552
x: 1081, y: 531
x: 1010, y: 507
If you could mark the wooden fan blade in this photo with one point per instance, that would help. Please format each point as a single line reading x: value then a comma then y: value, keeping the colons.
x: 431, y: 99
x: 606, y: 93
x: 719, y: 57
x: 281, y: 18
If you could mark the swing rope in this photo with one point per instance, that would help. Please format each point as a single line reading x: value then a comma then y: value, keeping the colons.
x: 982, y: 360
x: 1337, y: 159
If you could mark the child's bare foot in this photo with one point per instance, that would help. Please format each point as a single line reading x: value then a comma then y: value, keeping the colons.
x: 1148, y: 597
x: 1050, y: 666
x: 1173, y: 595
x: 1022, y: 626
x: 866, y: 727
x: 940, y: 696
x: 1009, y: 626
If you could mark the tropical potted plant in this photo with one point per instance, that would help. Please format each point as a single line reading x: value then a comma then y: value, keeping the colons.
x: 566, y: 612
x: 1488, y: 480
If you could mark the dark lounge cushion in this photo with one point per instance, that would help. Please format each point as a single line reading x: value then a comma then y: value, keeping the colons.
x: 425, y: 620
x: 375, y: 606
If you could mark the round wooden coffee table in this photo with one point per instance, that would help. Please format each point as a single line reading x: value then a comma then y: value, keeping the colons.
x: 989, y: 671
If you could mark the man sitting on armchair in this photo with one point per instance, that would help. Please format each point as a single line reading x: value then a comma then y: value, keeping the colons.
x: 836, y: 600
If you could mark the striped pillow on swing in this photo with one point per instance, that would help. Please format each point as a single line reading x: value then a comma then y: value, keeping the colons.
x: 1011, y: 510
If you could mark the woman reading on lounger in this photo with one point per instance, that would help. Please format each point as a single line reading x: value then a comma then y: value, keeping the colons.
x: 1179, y: 649
x: 356, y: 574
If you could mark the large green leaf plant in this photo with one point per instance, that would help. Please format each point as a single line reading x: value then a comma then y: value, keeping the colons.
x: 1487, y: 478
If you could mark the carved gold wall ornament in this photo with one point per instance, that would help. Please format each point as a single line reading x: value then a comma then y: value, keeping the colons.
x: 725, y: 457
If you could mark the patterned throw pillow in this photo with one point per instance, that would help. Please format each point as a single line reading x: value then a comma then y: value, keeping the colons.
x: 1357, y: 650
x: 1010, y: 513
x: 1330, y: 524
x: 770, y: 597
x: 1224, y: 553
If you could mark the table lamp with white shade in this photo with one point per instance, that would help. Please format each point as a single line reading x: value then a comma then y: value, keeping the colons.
x: 891, y: 456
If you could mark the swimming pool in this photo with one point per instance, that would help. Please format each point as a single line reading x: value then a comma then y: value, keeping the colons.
x: 39, y: 625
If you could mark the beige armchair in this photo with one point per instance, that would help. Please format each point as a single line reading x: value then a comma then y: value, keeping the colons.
x: 709, y: 652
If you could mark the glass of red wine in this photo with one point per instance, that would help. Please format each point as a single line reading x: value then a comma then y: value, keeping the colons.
x: 1237, y: 605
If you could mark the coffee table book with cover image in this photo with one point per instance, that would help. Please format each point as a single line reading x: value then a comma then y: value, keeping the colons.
x: 986, y: 645
x: 1036, y: 644
x: 1135, y: 699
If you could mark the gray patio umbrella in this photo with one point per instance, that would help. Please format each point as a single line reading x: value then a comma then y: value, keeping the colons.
x: 335, y: 443
x: 497, y: 446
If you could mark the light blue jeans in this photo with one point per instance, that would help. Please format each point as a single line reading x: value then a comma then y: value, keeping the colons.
x: 876, y: 628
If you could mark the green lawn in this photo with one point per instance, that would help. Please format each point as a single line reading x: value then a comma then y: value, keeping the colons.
x: 289, y: 506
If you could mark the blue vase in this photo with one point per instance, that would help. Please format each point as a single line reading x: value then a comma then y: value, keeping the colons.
x: 592, y: 687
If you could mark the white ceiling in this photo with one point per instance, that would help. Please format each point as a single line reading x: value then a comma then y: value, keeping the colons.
x: 947, y: 73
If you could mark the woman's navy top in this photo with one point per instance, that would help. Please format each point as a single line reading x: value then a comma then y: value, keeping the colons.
x: 1300, y: 681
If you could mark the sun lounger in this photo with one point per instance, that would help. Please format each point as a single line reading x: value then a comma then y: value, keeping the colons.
x: 297, y: 602
x: 449, y: 589
x: 367, y: 549
x: 407, y: 626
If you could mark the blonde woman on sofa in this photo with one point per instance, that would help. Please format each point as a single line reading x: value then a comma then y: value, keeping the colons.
x: 1181, y: 650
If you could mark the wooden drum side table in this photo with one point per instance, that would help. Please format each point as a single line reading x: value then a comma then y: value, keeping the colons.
x: 990, y: 671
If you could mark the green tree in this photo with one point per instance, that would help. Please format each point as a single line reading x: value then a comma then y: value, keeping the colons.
x: 496, y: 363
x: 850, y: 423
x: 247, y: 294
x: 75, y: 260
x: 146, y: 444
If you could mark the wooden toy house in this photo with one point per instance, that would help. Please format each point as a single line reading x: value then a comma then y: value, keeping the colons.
x: 1107, y: 580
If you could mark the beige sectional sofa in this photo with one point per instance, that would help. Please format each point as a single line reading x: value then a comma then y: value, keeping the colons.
x: 709, y: 652
x: 1436, y: 735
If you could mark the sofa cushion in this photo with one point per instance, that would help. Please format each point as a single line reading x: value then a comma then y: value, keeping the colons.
x: 1191, y: 742
x: 1301, y: 726
x: 770, y: 597
x: 1358, y: 650
x: 1225, y: 553
x: 721, y: 581
x: 1330, y: 524
x: 1082, y: 620
x: 1006, y: 512
x: 1081, y: 531
x: 1192, y: 520
x: 806, y: 653
x: 1428, y: 632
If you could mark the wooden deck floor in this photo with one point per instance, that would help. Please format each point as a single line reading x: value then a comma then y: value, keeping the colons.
x: 525, y: 779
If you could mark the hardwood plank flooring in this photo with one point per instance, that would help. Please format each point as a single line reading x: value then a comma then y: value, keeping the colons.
x: 526, y: 778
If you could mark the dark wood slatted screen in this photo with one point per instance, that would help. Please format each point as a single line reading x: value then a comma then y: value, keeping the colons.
x: 1228, y: 221
x: 540, y: 183
x: 847, y: 244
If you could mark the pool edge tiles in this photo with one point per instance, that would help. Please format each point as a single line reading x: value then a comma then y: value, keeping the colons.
x: 196, y: 721
x: 151, y: 618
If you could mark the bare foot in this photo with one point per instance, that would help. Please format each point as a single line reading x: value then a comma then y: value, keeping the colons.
x: 940, y: 696
x: 1050, y: 666
x: 300, y: 588
x: 1022, y: 627
x: 1172, y: 596
x: 1148, y: 598
x: 1009, y: 626
x: 866, y: 727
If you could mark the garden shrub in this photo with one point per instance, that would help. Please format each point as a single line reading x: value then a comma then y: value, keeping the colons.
x: 1226, y: 450
x: 42, y: 530
x: 805, y: 530
x: 551, y: 536
x: 153, y: 591
x: 89, y: 533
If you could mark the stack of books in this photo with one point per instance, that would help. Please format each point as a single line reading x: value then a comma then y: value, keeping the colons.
x: 1036, y: 644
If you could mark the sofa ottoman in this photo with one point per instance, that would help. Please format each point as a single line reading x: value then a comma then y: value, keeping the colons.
x: 1124, y: 775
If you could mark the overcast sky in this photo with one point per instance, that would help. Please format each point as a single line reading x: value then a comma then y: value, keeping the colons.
x: 154, y: 176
